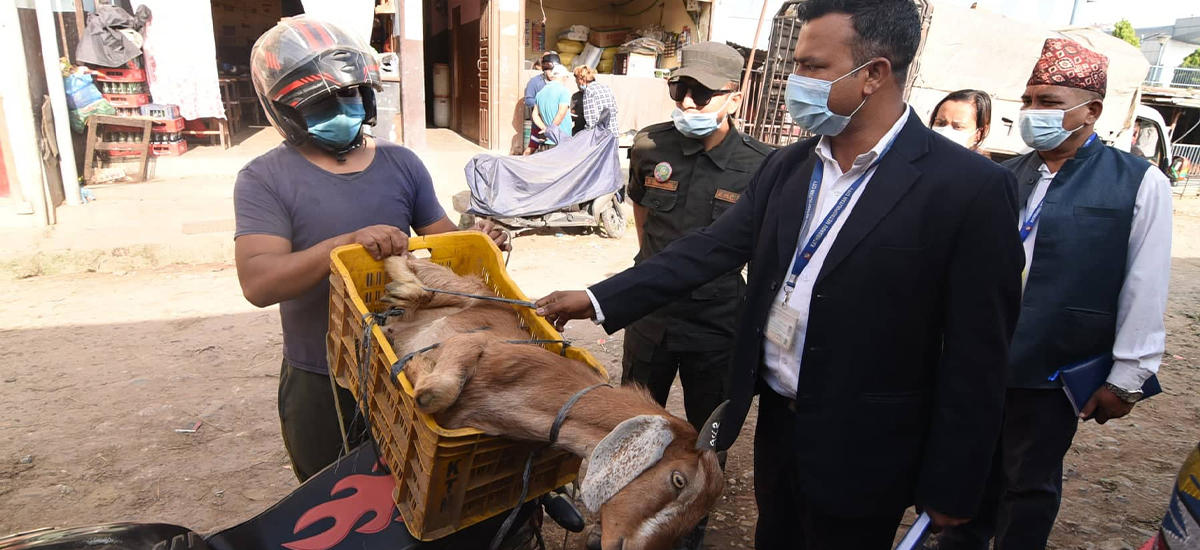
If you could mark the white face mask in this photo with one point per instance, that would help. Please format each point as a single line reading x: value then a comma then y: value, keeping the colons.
x: 961, y: 137
x: 1042, y: 129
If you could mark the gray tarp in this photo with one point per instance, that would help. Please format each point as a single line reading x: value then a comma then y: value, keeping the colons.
x: 579, y: 169
x: 102, y: 42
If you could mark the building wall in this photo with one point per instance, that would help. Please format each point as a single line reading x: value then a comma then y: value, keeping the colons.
x: 1150, y: 48
x: 1176, y: 51
x: 1172, y: 55
x: 237, y: 24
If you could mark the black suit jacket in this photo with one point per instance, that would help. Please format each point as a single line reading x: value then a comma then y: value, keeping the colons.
x: 903, y: 373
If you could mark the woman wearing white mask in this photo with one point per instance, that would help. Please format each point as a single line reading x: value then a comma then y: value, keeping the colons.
x: 964, y: 117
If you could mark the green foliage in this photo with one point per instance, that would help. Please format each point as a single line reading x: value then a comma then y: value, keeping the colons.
x: 1124, y: 30
x: 1192, y: 61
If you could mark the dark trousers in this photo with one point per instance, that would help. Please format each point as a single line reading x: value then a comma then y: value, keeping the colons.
x: 703, y: 374
x: 1025, y: 484
x: 309, y: 419
x: 786, y: 518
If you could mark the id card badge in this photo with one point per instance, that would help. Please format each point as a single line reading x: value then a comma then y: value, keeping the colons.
x: 781, y: 325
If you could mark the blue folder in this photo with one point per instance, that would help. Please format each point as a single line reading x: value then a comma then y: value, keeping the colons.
x: 1082, y: 379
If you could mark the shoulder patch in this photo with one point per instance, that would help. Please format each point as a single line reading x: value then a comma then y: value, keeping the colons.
x: 662, y: 171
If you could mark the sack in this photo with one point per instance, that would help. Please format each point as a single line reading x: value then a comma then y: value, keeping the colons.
x: 84, y: 101
x: 605, y: 66
x: 81, y: 92
x: 566, y: 58
x: 575, y: 32
x: 609, y: 53
x: 569, y: 46
x: 590, y: 57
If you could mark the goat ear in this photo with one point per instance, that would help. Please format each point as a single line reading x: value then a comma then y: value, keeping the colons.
x: 708, y: 435
x: 630, y: 449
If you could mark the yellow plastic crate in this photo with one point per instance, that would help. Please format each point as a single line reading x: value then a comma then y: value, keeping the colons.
x: 445, y: 479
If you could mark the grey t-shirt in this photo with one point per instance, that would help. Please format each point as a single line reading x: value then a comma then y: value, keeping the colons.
x: 282, y: 194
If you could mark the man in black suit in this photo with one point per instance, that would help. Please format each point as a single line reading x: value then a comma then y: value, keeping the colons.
x: 885, y: 278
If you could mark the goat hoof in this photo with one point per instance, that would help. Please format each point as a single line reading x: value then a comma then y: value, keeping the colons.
x: 592, y: 542
x: 433, y: 400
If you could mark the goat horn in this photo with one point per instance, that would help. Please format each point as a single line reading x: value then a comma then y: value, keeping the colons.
x: 708, y: 435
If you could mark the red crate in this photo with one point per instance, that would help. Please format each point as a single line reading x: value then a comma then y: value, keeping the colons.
x: 173, y: 149
x: 123, y: 153
x: 168, y: 126
x: 158, y: 127
x: 127, y: 100
x: 172, y: 111
x: 120, y: 75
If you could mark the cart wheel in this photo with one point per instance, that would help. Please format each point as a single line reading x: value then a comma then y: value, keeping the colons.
x: 466, y: 221
x: 612, y: 224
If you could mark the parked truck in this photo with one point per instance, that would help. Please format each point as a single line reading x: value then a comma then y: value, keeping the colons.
x: 974, y: 48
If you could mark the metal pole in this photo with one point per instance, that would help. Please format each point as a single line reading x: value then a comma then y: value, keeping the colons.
x: 58, y: 102
x: 762, y: 16
x: 20, y: 127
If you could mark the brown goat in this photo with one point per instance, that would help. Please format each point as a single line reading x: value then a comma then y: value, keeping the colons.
x: 650, y: 476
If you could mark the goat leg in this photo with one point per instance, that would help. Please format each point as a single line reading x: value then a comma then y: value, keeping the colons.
x: 405, y: 291
x: 441, y: 380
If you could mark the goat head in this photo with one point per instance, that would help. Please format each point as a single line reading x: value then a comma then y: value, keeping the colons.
x: 652, y: 479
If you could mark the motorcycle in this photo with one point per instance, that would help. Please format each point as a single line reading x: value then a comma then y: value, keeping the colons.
x: 348, y: 505
x: 578, y: 183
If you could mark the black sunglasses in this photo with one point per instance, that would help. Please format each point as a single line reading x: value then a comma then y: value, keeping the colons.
x: 679, y: 89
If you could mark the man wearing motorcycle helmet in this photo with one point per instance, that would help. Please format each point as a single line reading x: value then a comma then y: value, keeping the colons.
x: 327, y: 185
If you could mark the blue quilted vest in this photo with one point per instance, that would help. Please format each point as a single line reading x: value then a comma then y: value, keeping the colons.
x: 1069, y: 308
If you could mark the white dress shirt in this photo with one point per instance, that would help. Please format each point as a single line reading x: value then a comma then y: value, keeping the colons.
x: 783, y: 366
x: 1142, y: 302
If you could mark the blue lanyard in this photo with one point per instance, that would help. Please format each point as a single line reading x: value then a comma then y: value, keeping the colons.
x: 804, y: 255
x: 1031, y: 221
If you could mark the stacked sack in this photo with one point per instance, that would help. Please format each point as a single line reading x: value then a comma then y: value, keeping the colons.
x: 571, y: 43
x: 606, y: 60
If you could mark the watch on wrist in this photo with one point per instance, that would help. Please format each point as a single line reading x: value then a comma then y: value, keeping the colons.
x: 1124, y: 394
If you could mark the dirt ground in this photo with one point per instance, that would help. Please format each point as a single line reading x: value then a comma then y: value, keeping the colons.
x: 98, y: 371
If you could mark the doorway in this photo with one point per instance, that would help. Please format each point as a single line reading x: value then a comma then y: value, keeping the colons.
x: 464, y: 70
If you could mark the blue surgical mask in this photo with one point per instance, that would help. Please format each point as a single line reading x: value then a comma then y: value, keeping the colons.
x: 1043, y: 129
x: 338, y: 125
x: 808, y: 103
x: 698, y: 125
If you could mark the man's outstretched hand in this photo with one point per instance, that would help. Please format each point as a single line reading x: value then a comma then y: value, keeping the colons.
x: 560, y: 307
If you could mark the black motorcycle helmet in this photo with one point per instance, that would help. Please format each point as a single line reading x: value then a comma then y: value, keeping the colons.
x: 301, y: 62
